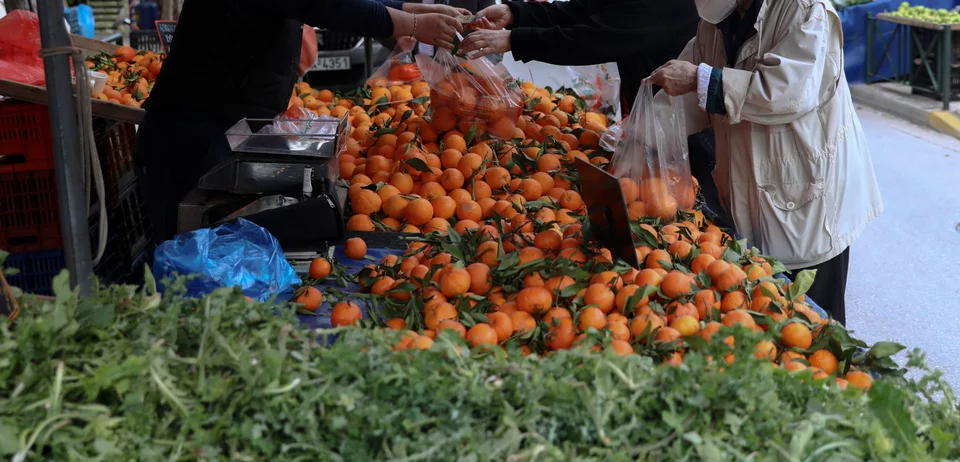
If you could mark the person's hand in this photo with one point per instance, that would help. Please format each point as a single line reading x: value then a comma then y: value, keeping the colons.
x: 405, y: 43
x: 437, y: 29
x: 676, y: 77
x: 486, y: 42
x: 482, y: 23
x: 420, y: 8
x: 494, y: 17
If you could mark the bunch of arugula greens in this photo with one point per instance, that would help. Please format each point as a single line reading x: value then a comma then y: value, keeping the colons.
x: 128, y: 374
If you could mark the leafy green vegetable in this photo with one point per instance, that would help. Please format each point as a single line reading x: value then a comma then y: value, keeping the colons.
x: 126, y: 372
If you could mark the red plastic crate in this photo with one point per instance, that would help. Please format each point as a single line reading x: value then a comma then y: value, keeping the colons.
x: 29, y: 211
x: 25, y: 141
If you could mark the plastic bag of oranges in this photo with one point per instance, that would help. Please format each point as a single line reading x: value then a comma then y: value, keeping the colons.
x: 399, y: 68
x: 468, y: 93
x: 652, y: 160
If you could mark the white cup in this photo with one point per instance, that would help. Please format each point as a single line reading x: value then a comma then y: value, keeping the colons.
x: 98, y: 81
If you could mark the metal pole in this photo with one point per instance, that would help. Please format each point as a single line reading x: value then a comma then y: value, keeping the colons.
x: 946, y: 59
x: 68, y: 157
x: 368, y: 56
x: 870, y: 46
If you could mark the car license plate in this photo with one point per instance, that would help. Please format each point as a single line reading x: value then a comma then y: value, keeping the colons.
x: 337, y: 63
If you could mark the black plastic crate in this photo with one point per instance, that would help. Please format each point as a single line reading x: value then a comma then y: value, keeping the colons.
x: 37, y: 270
x: 129, y: 239
x: 115, y: 145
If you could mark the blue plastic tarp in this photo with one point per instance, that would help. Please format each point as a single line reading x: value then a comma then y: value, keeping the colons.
x: 854, y: 20
x: 320, y: 319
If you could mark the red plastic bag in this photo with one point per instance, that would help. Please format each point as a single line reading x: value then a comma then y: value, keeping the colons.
x: 652, y: 160
x: 20, y: 59
x: 399, y: 69
x: 308, y: 50
x: 471, y: 93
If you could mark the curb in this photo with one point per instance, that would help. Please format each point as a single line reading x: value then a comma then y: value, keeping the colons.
x: 897, y: 105
x: 944, y: 122
x: 879, y: 100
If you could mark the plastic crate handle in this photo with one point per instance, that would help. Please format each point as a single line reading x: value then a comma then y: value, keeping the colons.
x: 13, y: 159
x: 25, y: 240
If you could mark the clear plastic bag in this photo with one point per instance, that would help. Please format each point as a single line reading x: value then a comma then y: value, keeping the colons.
x: 400, y: 68
x: 652, y: 161
x: 468, y: 93
x: 232, y: 254
x: 300, y: 121
x: 297, y: 120
x: 598, y: 85
x: 613, y: 137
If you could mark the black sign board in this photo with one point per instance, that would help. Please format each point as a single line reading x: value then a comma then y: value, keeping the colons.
x: 165, y: 31
x: 607, y: 209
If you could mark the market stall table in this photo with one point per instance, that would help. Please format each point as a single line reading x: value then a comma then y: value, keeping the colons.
x: 105, y: 109
x: 320, y: 319
x: 920, y: 53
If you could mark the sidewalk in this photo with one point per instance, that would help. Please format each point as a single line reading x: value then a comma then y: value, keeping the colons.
x: 896, y: 100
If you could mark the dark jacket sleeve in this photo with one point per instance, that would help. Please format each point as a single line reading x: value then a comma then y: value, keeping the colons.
x: 483, y: 4
x: 361, y: 17
x: 397, y: 5
x: 609, y: 34
x: 542, y: 14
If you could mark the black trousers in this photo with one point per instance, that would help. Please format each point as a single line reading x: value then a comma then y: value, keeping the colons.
x: 830, y: 286
x: 703, y: 159
x: 174, y: 150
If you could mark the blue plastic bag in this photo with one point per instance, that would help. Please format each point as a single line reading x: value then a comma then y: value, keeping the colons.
x: 233, y: 254
x: 81, y: 20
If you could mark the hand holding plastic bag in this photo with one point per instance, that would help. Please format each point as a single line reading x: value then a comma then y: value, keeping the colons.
x: 466, y: 93
x: 652, y: 161
x: 233, y: 254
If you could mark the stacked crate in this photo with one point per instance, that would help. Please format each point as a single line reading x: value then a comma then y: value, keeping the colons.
x: 29, y: 211
x: 30, y: 226
x: 106, y: 13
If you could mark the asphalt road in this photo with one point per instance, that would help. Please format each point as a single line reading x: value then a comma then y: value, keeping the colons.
x: 904, y: 279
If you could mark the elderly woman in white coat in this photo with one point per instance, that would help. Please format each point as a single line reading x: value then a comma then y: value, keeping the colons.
x: 793, y: 169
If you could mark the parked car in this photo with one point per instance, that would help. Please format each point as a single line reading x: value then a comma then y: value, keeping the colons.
x: 341, y: 60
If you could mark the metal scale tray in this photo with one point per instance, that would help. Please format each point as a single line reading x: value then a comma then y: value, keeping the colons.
x: 325, y: 139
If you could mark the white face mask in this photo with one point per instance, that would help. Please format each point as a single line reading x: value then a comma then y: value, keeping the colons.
x: 714, y: 11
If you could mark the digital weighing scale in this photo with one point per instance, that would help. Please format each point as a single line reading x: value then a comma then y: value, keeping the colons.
x: 283, y: 182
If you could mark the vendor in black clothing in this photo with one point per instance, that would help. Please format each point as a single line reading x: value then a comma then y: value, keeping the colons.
x: 639, y: 35
x: 238, y: 59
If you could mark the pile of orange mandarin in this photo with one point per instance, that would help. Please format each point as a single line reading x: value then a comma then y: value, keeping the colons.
x: 500, y: 256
